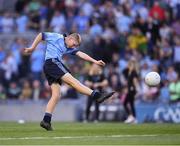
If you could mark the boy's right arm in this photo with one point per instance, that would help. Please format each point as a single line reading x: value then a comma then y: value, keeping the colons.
x: 36, y: 41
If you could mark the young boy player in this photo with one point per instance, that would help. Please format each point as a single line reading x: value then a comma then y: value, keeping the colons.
x: 55, y: 71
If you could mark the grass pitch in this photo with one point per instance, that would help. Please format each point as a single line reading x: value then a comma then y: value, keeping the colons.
x: 89, y: 134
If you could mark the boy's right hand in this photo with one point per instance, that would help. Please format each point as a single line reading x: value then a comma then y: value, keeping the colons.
x: 28, y: 50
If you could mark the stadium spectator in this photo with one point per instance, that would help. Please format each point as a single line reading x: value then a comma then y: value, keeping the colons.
x: 34, y: 21
x: 141, y: 24
x: 2, y: 54
x: 144, y: 69
x: 164, y: 92
x: 69, y: 21
x: 131, y: 75
x: 86, y: 7
x: 153, y: 27
x: 175, y: 6
x: 37, y: 61
x: 123, y: 62
x: 26, y: 93
x: 20, y: 5
x: 139, y: 9
x: 115, y: 62
x: 16, y: 48
x: 43, y: 12
x: 165, y: 32
x: 176, y: 50
x: 58, y: 22
x: 123, y: 20
x: 0, y: 21
x: 109, y: 46
x: 176, y: 27
x: 171, y: 74
x: 24, y: 68
x: 97, y: 47
x: 36, y: 90
x: 96, y: 28
x: 7, y: 22
x: 46, y: 91
x: 157, y: 12
x: 21, y: 22
x: 13, y: 91
x: 10, y: 68
x: 149, y: 94
x: 114, y: 82
x: 137, y: 41
x: 165, y: 53
x: 33, y: 5
x: 2, y: 93
x: 81, y: 22
x: 174, y: 88
x: 96, y: 81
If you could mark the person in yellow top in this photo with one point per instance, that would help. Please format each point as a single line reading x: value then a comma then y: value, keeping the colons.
x: 137, y: 40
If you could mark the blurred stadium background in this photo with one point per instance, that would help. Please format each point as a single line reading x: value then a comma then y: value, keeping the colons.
x: 112, y: 30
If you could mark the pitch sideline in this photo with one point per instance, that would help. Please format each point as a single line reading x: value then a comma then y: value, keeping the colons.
x: 79, y: 137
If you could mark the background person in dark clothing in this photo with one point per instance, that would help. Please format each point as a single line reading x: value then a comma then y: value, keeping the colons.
x: 131, y: 74
x: 95, y: 80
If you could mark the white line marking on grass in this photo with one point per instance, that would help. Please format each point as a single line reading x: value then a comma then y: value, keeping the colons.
x: 75, y: 137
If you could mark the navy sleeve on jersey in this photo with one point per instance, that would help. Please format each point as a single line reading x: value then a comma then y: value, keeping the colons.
x: 43, y: 36
x: 72, y: 51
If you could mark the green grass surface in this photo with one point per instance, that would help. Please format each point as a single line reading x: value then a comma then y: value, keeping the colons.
x: 89, y: 134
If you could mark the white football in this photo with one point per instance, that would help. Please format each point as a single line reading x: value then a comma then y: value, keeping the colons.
x: 152, y: 79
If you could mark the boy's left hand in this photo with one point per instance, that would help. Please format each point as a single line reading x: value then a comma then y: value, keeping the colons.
x: 28, y: 51
x: 100, y: 62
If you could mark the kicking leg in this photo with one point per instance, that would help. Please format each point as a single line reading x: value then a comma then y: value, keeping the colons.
x: 69, y: 79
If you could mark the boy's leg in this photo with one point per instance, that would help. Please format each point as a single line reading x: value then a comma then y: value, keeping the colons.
x: 46, y: 122
x: 69, y: 79
x: 55, y: 89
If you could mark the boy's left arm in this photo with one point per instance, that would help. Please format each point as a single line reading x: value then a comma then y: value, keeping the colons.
x: 90, y: 59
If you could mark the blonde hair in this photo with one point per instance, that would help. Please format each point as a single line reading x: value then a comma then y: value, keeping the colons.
x: 77, y: 37
x: 135, y: 64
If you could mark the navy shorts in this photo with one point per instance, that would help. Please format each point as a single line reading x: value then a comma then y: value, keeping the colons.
x: 54, y: 70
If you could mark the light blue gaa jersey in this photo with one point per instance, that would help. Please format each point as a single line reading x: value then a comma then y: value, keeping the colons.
x: 55, y: 46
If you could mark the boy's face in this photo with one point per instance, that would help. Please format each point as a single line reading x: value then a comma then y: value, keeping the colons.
x: 71, y: 42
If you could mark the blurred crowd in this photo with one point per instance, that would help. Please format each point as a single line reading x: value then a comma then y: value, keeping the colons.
x: 116, y: 31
